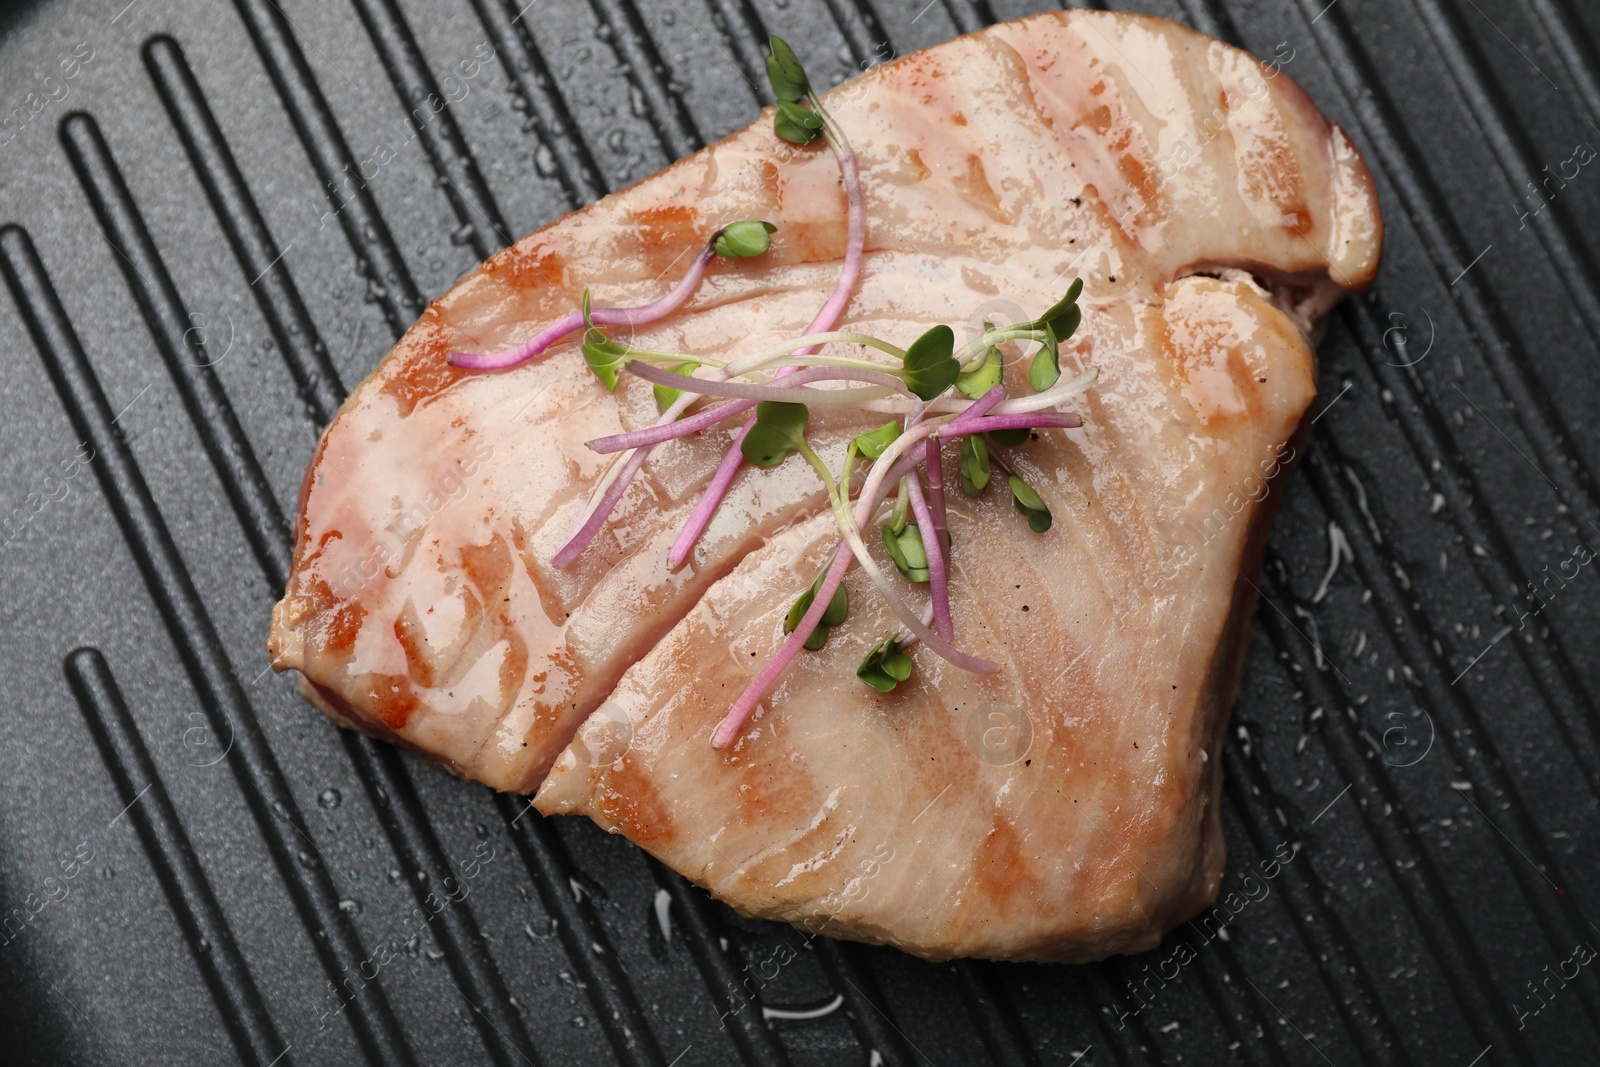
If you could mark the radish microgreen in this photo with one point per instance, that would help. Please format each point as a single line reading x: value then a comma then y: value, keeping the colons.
x: 930, y: 363
x: 886, y: 665
x: 922, y: 386
x: 796, y: 124
x: 984, y: 377
x: 1045, y: 370
x: 906, y: 551
x: 872, y: 443
x: 974, y: 465
x: 779, y: 432
x: 603, y: 355
x: 744, y: 239
x: 833, y: 615
x: 784, y: 72
x: 665, y: 395
x: 1030, y: 504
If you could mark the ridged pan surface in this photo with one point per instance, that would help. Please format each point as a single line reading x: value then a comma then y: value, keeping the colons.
x: 195, y: 866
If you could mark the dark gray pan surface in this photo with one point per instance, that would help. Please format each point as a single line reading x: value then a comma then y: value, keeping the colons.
x: 190, y: 857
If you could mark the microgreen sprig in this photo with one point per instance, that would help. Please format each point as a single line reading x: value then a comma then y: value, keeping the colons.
x: 930, y: 363
x: 897, y: 461
x: 743, y: 240
x: 923, y: 386
x: 983, y: 377
x: 833, y: 615
x: 603, y: 355
x: 1031, y: 504
x: 779, y: 432
x: 1049, y: 330
x: 785, y: 73
x: 906, y: 551
x: 743, y: 244
x: 872, y: 443
x: 666, y: 394
x: 1045, y: 370
x: 974, y: 465
x: 793, y: 88
x: 886, y: 665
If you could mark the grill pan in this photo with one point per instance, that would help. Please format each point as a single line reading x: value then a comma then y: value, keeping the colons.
x: 197, y: 867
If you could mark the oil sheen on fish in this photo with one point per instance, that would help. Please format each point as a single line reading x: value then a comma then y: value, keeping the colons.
x: 1062, y: 809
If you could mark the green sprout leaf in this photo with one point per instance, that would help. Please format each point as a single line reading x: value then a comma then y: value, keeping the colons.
x: 931, y: 366
x: 885, y: 666
x: 780, y: 429
x: 798, y: 609
x: 603, y: 355
x: 1065, y: 325
x: 905, y: 548
x: 837, y: 609
x: 666, y: 396
x: 901, y: 515
x: 1008, y: 438
x: 796, y: 124
x: 1064, y: 316
x: 984, y: 377
x: 744, y: 239
x: 1030, y: 504
x: 974, y: 465
x: 873, y: 444
x: 788, y: 77
x: 1045, y: 370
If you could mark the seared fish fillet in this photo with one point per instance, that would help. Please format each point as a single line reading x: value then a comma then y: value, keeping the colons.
x: 1063, y: 809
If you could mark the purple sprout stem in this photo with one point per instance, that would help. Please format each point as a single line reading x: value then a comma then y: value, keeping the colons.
x: 826, y: 318
x: 597, y: 518
x: 631, y: 316
x: 579, y: 539
x: 855, y: 245
x: 1029, y: 420
x: 711, y: 499
x: 933, y: 547
x: 795, y: 394
x: 983, y: 405
x: 938, y: 576
x: 935, y: 461
x: 872, y: 493
x: 668, y: 431
x: 728, y: 729
x: 665, y: 428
